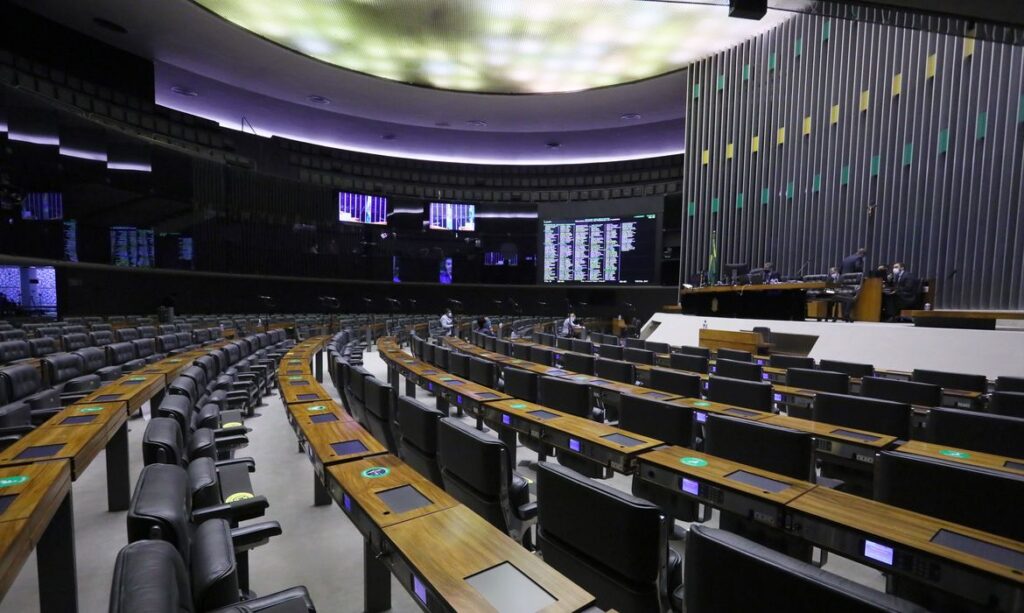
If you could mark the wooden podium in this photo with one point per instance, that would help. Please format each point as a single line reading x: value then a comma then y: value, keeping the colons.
x: 867, y: 308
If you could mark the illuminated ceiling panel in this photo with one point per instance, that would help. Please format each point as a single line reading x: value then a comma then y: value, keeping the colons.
x: 498, y: 46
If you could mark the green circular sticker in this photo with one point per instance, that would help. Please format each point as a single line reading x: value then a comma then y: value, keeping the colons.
x: 691, y: 461
x: 518, y: 405
x: 376, y: 472
x: 294, y: 361
x: 90, y: 409
x: 294, y: 378
x: 316, y: 408
x: 137, y: 379
x: 953, y: 453
x: 13, y: 480
x: 702, y: 403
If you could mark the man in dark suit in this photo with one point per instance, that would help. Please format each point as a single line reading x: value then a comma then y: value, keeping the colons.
x: 853, y: 262
x: 901, y: 292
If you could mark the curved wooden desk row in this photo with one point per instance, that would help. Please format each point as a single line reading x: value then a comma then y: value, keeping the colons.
x: 36, y: 474
x: 438, y: 549
x: 978, y: 565
x: 857, y: 446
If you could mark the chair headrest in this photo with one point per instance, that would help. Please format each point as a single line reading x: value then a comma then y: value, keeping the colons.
x: 419, y: 423
x: 162, y: 442
x: 22, y: 380
x: 161, y: 507
x: 150, y: 576
x: 472, y: 456
x: 214, y: 571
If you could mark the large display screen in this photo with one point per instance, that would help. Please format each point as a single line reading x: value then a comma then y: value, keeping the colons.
x: 362, y: 208
x: 449, y: 216
x: 600, y: 249
x: 43, y: 206
x: 131, y: 246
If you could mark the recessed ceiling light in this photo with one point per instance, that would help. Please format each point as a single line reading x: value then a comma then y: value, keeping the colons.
x: 111, y: 26
x: 388, y: 136
x: 629, y: 116
x: 478, y: 123
x: 317, y: 99
x: 181, y: 90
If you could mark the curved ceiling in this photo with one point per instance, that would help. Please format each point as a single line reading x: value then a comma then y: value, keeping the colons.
x: 497, y: 46
x: 210, y: 67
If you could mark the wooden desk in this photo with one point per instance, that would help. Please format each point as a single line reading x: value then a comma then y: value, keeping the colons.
x: 301, y: 388
x: 964, y: 456
x: 312, y: 414
x: 849, y: 443
x: 764, y: 301
x: 134, y: 390
x: 948, y: 318
x: 702, y: 407
x: 686, y: 474
x: 333, y: 442
x: 462, y: 393
x: 39, y: 515
x: 729, y: 339
x: 902, y: 542
x: 570, y: 433
x: 435, y: 554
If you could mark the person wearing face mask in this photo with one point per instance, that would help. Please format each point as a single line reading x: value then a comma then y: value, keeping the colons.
x: 901, y: 292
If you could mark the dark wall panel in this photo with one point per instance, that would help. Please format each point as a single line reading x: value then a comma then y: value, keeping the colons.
x: 907, y: 142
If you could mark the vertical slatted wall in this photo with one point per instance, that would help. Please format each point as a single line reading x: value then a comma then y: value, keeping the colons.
x: 793, y: 135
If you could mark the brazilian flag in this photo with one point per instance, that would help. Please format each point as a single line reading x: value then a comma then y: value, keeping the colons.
x: 713, y: 260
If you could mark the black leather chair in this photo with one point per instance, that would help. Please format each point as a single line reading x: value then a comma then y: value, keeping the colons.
x: 73, y: 342
x: 13, y: 351
x: 616, y: 370
x: 578, y: 362
x: 582, y: 346
x: 702, y: 352
x: 638, y: 355
x: 503, y: 347
x: 483, y: 372
x: 477, y: 471
x: 161, y: 509
x: 42, y: 347
x: 13, y: 334
x: 94, y: 361
x: 125, y: 335
x: 99, y: 338
x: 733, y: 354
x: 951, y: 380
x: 428, y: 353
x: 568, y: 397
x: 853, y: 369
x: 748, y: 394
x: 541, y: 355
x: 355, y: 389
x: 681, y: 383
x: 1009, y: 404
x: 418, y: 437
x: 458, y: 364
x: 23, y: 384
x: 818, y: 380
x: 996, y: 434
x: 213, y: 480
x: 611, y: 544
x: 53, y: 332
x: 226, y: 428
x: 564, y: 343
x: 610, y: 352
x: 64, y: 373
x: 147, y: 331
x: 241, y: 390
x: 921, y: 394
x: 167, y: 329
x: 871, y: 414
x: 167, y: 344
x: 634, y: 343
x: 521, y: 352
x: 379, y: 411
x: 689, y: 363
x: 440, y: 357
x: 123, y: 355
x: 145, y: 350
x: 778, y: 360
x: 660, y: 420
x: 735, y: 369
x: 726, y: 572
x: 1010, y: 384
x: 149, y: 575
x: 656, y: 347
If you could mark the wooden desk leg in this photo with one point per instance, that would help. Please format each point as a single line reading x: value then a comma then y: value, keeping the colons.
x: 118, y: 480
x: 320, y: 495
x: 410, y: 388
x: 376, y: 581
x: 55, y: 559
x: 318, y: 365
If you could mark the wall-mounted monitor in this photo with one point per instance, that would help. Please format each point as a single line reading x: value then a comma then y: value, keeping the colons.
x: 42, y: 206
x: 617, y: 250
x: 362, y: 208
x: 450, y: 216
x: 130, y: 246
x: 28, y: 290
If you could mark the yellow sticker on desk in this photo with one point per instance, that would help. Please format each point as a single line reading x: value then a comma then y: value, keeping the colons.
x: 238, y: 496
x: 231, y: 424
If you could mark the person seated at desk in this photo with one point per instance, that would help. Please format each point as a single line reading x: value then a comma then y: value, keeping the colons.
x: 770, y: 274
x: 570, y: 328
x: 853, y: 262
x: 901, y: 291
x: 447, y: 323
x: 483, y: 326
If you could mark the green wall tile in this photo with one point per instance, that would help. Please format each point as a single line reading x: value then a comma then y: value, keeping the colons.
x: 720, y: 82
x: 715, y: 204
x: 798, y: 47
x: 696, y: 90
x: 943, y: 140
x: 771, y: 61
x: 746, y: 72
x: 739, y: 200
x: 826, y: 30
x: 844, y: 175
x: 766, y: 195
x: 876, y: 165
x: 691, y: 208
x: 908, y: 154
x: 816, y: 184
x: 790, y: 190
x: 981, y: 126
x: 1020, y: 110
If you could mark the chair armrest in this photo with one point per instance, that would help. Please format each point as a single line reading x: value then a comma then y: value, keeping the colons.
x: 234, y: 512
x: 254, y: 535
x: 231, y: 441
x: 292, y: 599
x: 16, y: 430
x: 249, y: 462
x: 527, y: 511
